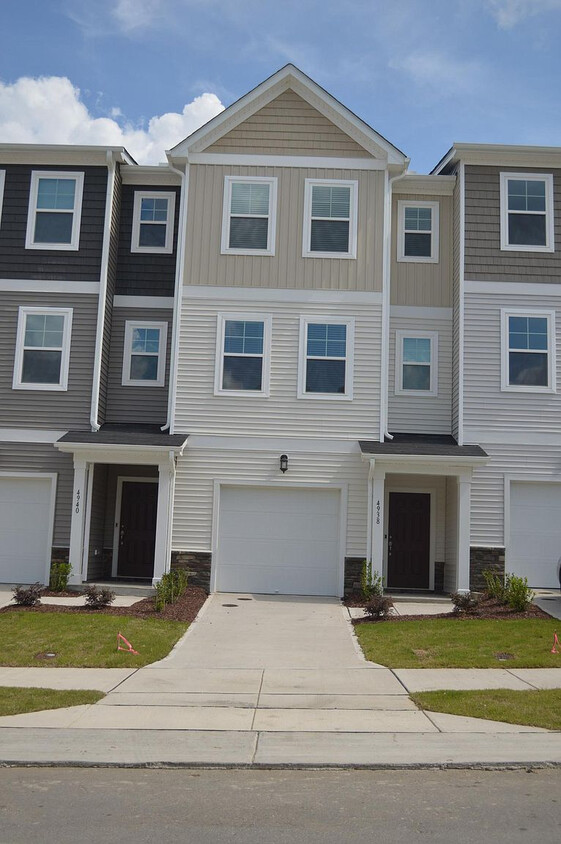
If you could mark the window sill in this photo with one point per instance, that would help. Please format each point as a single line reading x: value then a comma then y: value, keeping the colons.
x: 58, y: 388
x: 410, y: 259
x: 505, y: 247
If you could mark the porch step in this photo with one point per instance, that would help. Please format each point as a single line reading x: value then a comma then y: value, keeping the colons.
x: 140, y: 590
x: 396, y: 595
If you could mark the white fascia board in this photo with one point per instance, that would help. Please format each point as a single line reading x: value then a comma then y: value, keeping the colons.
x: 283, y: 445
x: 154, y: 303
x: 432, y: 465
x: 513, y: 155
x: 29, y: 435
x: 24, y: 285
x: 420, y: 312
x: 252, y: 294
x: 162, y: 176
x: 429, y: 185
x: 71, y: 154
x: 119, y: 453
x: 513, y: 288
x: 306, y: 161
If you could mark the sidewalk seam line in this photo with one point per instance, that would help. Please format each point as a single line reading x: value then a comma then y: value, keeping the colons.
x: 258, y: 699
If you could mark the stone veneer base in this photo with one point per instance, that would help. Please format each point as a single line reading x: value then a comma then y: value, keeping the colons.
x: 196, y: 564
x: 482, y: 559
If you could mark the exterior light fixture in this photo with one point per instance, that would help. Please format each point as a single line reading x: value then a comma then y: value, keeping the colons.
x: 283, y: 463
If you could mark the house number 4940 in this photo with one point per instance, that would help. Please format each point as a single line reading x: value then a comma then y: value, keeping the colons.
x: 77, y: 506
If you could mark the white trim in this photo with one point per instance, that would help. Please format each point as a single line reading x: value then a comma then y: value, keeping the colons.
x: 159, y: 176
x: 227, y: 215
x: 29, y: 435
x: 485, y: 436
x: 117, y: 519
x: 87, y: 522
x: 2, y: 182
x: 549, y: 315
x: 547, y: 178
x: 305, y: 161
x: 177, y: 297
x: 130, y: 326
x: 427, y: 464
x: 349, y: 357
x: 274, y: 444
x: 309, y: 184
x: 414, y: 312
x: 23, y: 313
x: 74, y: 244
x: 263, y: 294
x: 433, y: 258
x: 17, y: 285
x: 139, y: 195
x: 461, y: 304
x: 432, y: 493
x: 221, y: 319
x: 513, y: 288
x: 400, y: 336
x: 119, y: 453
x: 153, y: 302
x: 429, y: 185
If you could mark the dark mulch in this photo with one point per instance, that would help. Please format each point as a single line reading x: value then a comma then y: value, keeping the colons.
x: 184, y: 609
x: 68, y: 593
x: 487, y: 608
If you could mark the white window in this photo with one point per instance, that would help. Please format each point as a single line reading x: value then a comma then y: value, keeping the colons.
x: 330, y: 219
x: 152, y: 222
x: 144, y: 357
x: 528, y: 358
x: 326, y: 358
x: 527, y: 212
x: 417, y: 231
x: 2, y: 180
x: 249, y: 215
x: 42, y: 349
x: 55, y: 210
x: 243, y: 354
x: 416, y: 363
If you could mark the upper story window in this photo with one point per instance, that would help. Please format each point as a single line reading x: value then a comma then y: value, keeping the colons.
x: 417, y: 231
x: 55, y: 209
x: 330, y: 219
x: 144, y: 358
x: 326, y: 358
x: 249, y: 215
x: 242, y: 359
x: 528, y: 363
x: 527, y: 212
x: 42, y: 349
x: 416, y: 362
x: 2, y: 181
x: 152, y: 222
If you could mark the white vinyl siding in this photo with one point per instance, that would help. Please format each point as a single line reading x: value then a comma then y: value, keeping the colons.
x: 55, y: 209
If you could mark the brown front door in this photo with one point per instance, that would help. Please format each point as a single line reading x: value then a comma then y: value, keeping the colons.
x: 137, y: 529
x: 409, y: 540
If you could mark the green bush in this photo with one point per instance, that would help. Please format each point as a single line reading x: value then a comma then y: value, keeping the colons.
x: 371, y: 583
x: 518, y: 594
x: 494, y: 585
x: 171, y: 587
x: 60, y: 574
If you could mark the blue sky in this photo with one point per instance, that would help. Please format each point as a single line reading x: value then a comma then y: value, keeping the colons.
x: 424, y: 73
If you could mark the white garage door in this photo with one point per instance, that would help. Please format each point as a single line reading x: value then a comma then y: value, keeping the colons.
x: 282, y: 541
x: 25, y: 521
x: 535, y: 533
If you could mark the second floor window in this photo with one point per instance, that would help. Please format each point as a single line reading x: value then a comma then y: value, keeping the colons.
x: 527, y: 212
x: 527, y: 346
x: 55, y: 207
x: 417, y: 232
x: 42, y: 349
x: 330, y: 219
x: 416, y: 363
x: 248, y: 226
x: 152, y: 222
x: 144, y: 358
x: 243, y: 354
x: 325, y: 359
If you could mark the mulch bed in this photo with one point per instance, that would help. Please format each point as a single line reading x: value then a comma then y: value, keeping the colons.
x: 488, y: 608
x: 184, y: 609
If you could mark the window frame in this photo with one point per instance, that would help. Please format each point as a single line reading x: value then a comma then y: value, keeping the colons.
x: 272, y: 181
x: 309, y: 184
x: 130, y: 326
x: 221, y: 320
x: 402, y: 334
x: 434, y: 256
x: 74, y: 244
x: 23, y: 312
x: 321, y: 319
x: 2, y: 184
x: 139, y: 195
x: 506, y: 313
x: 547, y: 178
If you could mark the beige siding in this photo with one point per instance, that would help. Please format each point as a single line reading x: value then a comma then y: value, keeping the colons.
x: 287, y: 268
x: 198, y: 410
x: 288, y: 126
x: 424, y: 284
x: 395, y: 483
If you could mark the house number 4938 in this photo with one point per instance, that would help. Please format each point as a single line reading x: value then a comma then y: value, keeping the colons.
x: 377, y: 512
x: 77, y: 506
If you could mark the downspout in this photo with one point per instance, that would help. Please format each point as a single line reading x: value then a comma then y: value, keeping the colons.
x: 102, y: 296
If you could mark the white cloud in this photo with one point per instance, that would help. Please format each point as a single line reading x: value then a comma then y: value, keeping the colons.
x: 440, y: 72
x: 509, y: 13
x: 136, y: 14
x: 49, y: 110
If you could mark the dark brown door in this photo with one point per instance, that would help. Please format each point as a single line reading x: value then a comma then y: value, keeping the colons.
x: 409, y: 540
x: 137, y: 529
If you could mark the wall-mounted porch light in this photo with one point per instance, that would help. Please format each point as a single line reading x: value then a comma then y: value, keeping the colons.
x: 283, y: 463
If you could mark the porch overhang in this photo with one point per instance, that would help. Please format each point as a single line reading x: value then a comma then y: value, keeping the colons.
x: 417, y: 452
x: 118, y: 443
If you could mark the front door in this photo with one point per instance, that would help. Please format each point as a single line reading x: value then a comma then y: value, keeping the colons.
x: 137, y: 529
x: 409, y: 540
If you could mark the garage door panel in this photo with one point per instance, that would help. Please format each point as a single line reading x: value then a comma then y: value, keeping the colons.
x: 280, y: 500
x: 268, y: 526
x: 535, y: 534
x: 271, y: 554
x: 25, y: 521
x: 290, y: 580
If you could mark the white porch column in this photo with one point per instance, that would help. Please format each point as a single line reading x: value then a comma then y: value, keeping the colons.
x: 78, y: 523
x: 378, y: 492
x: 463, y: 535
x: 166, y: 485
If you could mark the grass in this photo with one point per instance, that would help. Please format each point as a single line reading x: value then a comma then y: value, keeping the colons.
x: 469, y: 643
x: 15, y: 701
x: 81, y: 640
x: 534, y: 708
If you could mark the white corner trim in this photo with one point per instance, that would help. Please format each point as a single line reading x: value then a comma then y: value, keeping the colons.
x: 309, y: 185
x: 513, y: 288
x: 152, y: 302
x: 322, y: 319
x: 414, y: 312
x: 130, y: 326
x: 18, y: 285
x: 547, y: 178
x: 434, y: 256
x: 167, y: 248
x: 29, y: 435
x: 304, y: 161
x: 36, y: 175
x: 278, y: 294
x: 229, y: 182
x: 267, y: 321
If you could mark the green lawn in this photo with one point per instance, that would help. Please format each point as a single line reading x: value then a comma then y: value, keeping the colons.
x: 81, y: 640
x: 14, y: 701
x: 469, y: 643
x: 539, y: 708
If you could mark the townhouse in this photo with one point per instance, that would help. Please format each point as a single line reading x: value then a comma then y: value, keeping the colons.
x: 277, y: 356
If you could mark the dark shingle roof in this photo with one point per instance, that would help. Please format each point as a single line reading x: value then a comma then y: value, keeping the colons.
x: 140, y: 435
x: 421, y: 445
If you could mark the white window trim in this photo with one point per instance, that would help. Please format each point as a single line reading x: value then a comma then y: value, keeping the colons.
x: 2, y: 182
x: 266, y: 319
x: 353, y: 225
x: 434, y: 256
x: 74, y: 244
x: 551, y: 366
x: 349, y: 359
x: 400, y: 336
x: 24, y: 311
x: 153, y: 194
x: 549, y: 221
x: 225, y: 249
x: 130, y: 326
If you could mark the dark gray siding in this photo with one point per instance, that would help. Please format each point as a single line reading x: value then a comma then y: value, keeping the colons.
x: 142, y: 274
x: 483, y: 257
x: 111, y: 280
x: 135, y: 404
x: 50, y: 264
x: 45, y: 409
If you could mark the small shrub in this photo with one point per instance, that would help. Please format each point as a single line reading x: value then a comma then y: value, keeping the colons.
x: 494, y: 585
x: 97, y: 598
x: 371, y: 583
x: 28, y: 596
x: 464, y: 601
x: 378, y: 606
x: 518, y: 594
x: 171, y: 587
x: 60, y: 574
